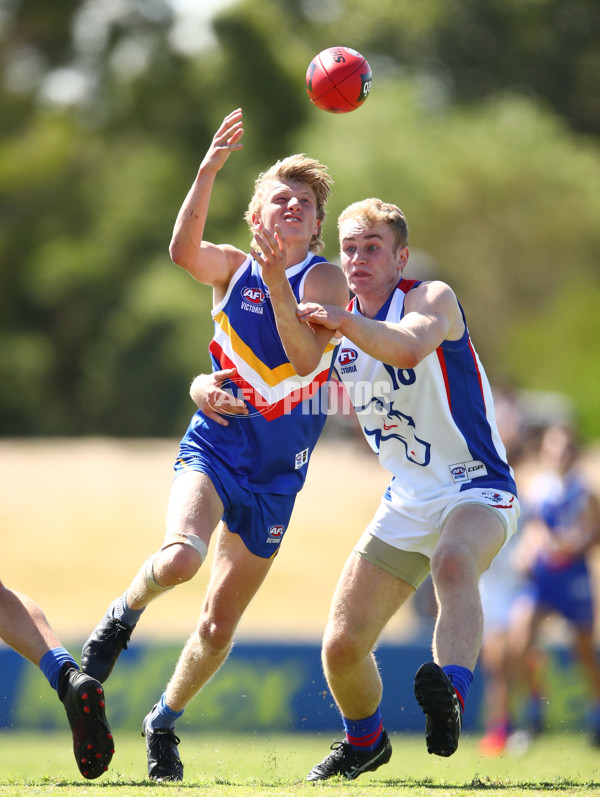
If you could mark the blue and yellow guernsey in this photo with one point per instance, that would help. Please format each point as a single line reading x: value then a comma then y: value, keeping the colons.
x: 268, y: 450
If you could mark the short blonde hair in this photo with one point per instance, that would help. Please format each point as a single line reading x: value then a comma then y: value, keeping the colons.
x: 369, y: 212
x: 299, y: 169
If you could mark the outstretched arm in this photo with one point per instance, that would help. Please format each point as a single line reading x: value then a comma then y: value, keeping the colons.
x: 432, y: 316
x: 206, y: 262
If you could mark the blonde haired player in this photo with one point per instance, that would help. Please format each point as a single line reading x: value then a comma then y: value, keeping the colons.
x: 426, y: 409
x: 241, y: 475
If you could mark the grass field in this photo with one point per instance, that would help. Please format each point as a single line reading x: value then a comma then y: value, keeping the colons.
x: 253, y: 766
x: 79, y: 516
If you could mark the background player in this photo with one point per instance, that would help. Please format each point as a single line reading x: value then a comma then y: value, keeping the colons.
x: 243, y: 478
x: 562, y: 525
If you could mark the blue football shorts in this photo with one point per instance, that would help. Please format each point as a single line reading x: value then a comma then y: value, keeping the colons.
x: 567, y: 591
x: 260, y: 519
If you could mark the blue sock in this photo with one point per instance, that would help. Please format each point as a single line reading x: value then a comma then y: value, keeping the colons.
x: 534, y: 713
x: 162, y: 716
x: 592, y: 718
x: 364, y: 734
x: 121, y: 611
x: 52, y: 663
x: 461, y: 679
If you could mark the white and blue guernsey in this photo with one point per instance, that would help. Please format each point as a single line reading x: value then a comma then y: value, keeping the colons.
x: 432, y: 426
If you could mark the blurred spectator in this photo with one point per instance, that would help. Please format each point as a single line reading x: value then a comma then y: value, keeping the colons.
x: 499, y: 587
x: 562, y: 523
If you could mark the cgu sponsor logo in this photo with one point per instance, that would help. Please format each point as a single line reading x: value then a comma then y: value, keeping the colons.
x: 465, y: 471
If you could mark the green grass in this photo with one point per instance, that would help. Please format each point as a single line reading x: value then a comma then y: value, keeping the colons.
x: 221, y: 765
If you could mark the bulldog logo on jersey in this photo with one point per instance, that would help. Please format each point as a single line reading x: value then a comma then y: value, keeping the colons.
x: 395, y: 425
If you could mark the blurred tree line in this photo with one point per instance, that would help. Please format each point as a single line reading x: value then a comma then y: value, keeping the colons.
x: 482, y: 125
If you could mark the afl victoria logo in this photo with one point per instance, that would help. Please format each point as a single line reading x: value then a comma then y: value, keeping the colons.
x: 275, y: 534
x: 254, y: 296
x: 347, y: 356
x: 458, y: 472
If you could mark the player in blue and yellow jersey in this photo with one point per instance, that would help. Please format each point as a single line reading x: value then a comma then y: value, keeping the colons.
x: 425, y: 406
x: 243, y: 477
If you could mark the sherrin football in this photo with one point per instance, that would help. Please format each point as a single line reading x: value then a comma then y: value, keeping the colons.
x: 338, y: 80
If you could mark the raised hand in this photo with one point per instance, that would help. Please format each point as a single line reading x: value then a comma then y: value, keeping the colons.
x: 225, y: 140
x: 270, y: 253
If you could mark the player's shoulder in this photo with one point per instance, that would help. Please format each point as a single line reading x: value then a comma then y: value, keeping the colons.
x: 432, y: 286
x: 328, y: 276
x: 325, y: 270
x: 329, y: 269
x: 432, y: 292
x: 234, y: 256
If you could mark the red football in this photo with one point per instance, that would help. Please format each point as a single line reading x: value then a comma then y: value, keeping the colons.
x: 338, y: 80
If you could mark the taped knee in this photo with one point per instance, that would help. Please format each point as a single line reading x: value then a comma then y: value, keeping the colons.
x: 187, y: 539
x: 151, y: 582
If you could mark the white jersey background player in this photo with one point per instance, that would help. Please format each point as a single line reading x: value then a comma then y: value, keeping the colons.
x: 426, y: 408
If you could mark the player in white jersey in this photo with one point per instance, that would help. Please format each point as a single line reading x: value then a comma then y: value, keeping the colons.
x: 238, y: 481
x: 426, y: 409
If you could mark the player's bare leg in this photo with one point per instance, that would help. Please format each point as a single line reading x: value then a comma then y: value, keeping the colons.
x: 24, y: 626
x: 235, y: 579
x: 194, y: 511
x: 236, y: 576
x: 365, y: 599
x: 498, y: 674
x: 470, y: 538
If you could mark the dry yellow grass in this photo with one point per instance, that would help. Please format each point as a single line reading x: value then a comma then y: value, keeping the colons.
x: 78, y: 517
